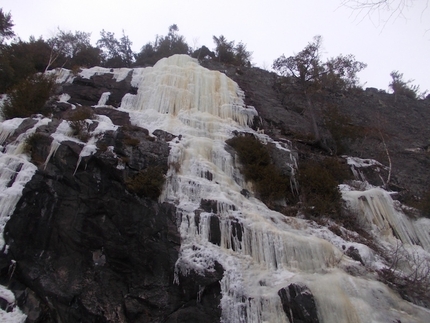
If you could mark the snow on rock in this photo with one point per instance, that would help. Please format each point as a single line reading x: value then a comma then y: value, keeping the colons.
x: 11, y: 314
x: 62, y: 75
x: 119, y: 74
x: 64, y: 97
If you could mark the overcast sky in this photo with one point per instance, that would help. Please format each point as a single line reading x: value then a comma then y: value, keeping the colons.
x: 269, y: 28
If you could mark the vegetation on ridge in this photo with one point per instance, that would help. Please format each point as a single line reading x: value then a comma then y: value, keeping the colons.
x: 29, y: 97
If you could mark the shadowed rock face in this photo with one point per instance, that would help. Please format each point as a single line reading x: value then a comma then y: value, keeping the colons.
x: 299, y: 304
x: 84, y: 249
x: 402, y: 123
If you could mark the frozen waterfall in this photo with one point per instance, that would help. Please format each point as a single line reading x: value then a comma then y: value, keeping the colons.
x: 15, y: 171
x: 260, y: 251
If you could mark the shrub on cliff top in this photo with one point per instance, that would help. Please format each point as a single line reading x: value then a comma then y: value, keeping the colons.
x: 29, y: 97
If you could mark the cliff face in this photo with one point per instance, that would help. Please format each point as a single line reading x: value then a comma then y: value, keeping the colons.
x: 378, y: 116
x: 82, y: 246
x: 87, y: 250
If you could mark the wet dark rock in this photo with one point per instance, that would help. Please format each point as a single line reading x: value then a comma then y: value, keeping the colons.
x: 204, y: 294
x: 5, y: 305
x: 215, y: 230
x: 245, y: 193
x: 299, y: 304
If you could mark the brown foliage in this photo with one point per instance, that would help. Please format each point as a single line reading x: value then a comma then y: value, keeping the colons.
x: 319, y: 188
x: 79, y: 124
x: 147, y: 183
x: 271, y: 184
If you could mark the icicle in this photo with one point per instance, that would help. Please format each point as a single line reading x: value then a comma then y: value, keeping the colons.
x: 88, y: 150
x: 103, y: 98
x: 380, y: 214
x: 8, y: 127
x: 54, y: 147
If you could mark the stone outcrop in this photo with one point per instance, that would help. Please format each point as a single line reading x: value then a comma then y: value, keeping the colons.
x: 86, y: 91
x: 299, y: 304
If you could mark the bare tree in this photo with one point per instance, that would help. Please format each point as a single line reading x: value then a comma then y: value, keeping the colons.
x: 394, y: 8
x: 408, y: 272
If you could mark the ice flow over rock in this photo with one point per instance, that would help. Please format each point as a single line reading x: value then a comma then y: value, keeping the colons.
x: 260, y: 250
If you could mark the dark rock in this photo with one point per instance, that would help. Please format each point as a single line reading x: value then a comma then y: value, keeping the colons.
x: 50, y: 128
x: 402, y: 123
x: 210, y: 206
x: 299, y: 304
x: 5, y: 305
x: 353, y: 253
x: 25, y: 125
x: 88, y: 91
x: 215, y: 230
x: 58, y: 108
x: 118, y: 118
x: 204, y: 295
x: 163, y: 135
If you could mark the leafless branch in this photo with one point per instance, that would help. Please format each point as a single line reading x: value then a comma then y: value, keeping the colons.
x: 394, y: 8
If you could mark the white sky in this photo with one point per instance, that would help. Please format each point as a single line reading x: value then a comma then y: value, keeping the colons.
x: 269, y: 28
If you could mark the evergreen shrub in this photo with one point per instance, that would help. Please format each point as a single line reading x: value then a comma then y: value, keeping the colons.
x: 270, y: 183
x: 29, y: 97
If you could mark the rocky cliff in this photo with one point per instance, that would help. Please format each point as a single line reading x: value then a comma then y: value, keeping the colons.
x: 84, y: 245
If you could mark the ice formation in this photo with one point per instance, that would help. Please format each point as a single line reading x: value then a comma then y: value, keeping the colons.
x: 15, y: 171
x: 258, y: 249
x: 15, y: 168
x: 378, y: 213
